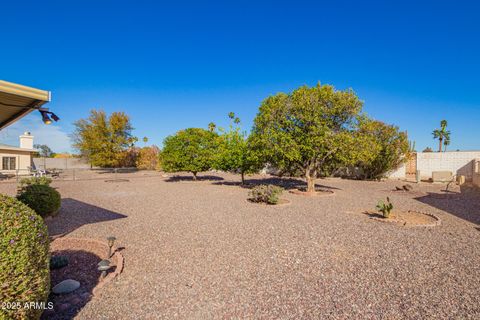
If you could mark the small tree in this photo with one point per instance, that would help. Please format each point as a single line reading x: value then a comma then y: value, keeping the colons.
x: 388, y: 148
x: 234, y: 153
x: 442, y: 134
x: 104, y: 140
x: 427, y: 149
x: 192, y: 150
x: 44, y: 151
x: 309, y: 131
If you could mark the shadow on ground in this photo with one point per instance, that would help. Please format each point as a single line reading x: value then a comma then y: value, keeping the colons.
x: 286, y: 183
x: 464, y: 204
x: 179, y: 178
x: 82, y: 267
x: 74, y: 214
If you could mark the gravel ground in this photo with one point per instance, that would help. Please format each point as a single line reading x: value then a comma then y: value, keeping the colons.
x: 198, y: 250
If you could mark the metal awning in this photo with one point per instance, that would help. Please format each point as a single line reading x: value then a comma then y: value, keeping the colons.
x: 16, y: 101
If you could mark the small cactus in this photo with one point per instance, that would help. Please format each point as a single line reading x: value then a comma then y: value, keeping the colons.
x: 385, y: 207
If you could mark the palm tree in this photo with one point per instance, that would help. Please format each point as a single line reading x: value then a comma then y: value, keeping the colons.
x: 442, y: 135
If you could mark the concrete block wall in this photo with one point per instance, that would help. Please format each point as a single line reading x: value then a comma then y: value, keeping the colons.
x: 458, y: 162
x: 60, y: 163
x: 476, y: 172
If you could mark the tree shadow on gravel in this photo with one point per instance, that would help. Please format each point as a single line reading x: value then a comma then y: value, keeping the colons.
x: 178, y: 178
x: 464, y: 204
x: 82, y: 267
x: 74, y: 214
x: 286, y: 183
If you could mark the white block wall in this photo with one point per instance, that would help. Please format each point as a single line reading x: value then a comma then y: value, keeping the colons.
x: 458, y: 162
x: 399, y: 173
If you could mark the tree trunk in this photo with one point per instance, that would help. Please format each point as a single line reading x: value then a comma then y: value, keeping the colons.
x: 242, y: 174
x: 194, y: 176
x: 440, y: 144
x: 310, y: 180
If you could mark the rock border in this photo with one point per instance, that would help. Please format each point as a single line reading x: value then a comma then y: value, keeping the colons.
x: 321, y: 193
x: 437, y: 222
x: 117, y: 256
x: 288, y: 202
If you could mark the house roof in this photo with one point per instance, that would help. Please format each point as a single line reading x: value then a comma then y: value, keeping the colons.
x: 16, y: 101
x: 13, y: 148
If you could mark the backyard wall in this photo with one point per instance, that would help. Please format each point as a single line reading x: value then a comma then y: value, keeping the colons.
x: 476, y: 173
x: 458, y: 162
x: 60, y: 163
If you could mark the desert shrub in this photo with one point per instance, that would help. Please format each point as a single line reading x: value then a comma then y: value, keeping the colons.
x: 385, y: 207
x: 35, y: 180
x: 388, y: 148
x: 266, y: 193
x: 148, y: 158
x: 24, y: 259
x: 43, y: 199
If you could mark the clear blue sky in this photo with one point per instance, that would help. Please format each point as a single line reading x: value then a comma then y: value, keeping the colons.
x: 179, y: 64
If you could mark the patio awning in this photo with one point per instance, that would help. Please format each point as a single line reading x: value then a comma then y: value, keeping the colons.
x: 16, y: 101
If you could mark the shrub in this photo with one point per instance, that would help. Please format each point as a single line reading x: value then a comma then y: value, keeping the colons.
x: 43, y: 199
x: 385, y: 207
x: 148, y: 158
x: 266, y: 193
x: 24, y: 259
x: 35, y: 180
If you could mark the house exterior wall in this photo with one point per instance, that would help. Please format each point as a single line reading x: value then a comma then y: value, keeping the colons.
x: 22, y: 162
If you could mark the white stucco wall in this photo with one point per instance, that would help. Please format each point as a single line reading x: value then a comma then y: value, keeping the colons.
x: 399, y: 173
x: 458, y: 162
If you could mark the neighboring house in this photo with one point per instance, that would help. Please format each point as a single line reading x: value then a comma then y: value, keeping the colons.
x: 16, y: 101
x: 17, y: 160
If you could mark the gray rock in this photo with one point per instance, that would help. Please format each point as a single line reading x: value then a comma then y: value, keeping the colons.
x: 66, y: 286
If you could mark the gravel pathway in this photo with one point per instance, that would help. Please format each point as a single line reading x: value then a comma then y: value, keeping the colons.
x: 198, y: 250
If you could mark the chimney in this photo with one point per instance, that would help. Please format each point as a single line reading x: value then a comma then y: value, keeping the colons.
x: 26, y: 140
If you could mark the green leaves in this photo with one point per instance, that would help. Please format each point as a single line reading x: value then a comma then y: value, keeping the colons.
x: 380, y: 148
x: 234, y: 151
x: 308, y: 130
x: 191, y: 150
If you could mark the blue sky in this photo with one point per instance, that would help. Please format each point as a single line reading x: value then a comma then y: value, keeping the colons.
x: 172, y: 65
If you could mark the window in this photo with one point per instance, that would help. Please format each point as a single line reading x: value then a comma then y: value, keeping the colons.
x: 8, y: 163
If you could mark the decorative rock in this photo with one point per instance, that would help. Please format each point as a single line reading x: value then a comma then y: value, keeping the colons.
x: 66, y: 286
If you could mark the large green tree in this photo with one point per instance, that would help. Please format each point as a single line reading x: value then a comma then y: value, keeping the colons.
x: 309, y: 131
x: 103, y: 139
x: 192, y: 150
x: 442, y: 134
x: 234, y: 152
x: 386, y: 146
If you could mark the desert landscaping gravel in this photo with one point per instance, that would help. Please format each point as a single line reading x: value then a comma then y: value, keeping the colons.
x: 198, y: 250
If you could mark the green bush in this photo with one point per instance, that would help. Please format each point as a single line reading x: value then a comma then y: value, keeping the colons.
x: 24, y: 260
x: 42, y: 198
x: 265, y: 193
x: 35, y: 180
